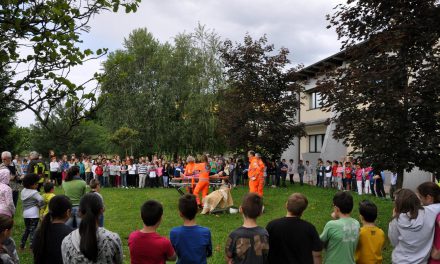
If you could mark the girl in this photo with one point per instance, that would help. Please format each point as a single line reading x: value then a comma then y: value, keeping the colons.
x: 429, y: 193
x: 359, y: 172
x: 52, y: 231
x: 347, y: 173
x: 123, y: 171
x: 74, y: 187
x: 55, y: 169
x: 411, y: 230
x: 8, y: 252
x: 165, y: 175
x: 340, y: 173
x: 90, y: 243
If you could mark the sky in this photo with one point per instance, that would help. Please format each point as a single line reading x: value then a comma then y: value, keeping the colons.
x: 298, y: 25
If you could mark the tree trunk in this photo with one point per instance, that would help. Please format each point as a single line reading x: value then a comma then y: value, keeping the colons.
x: 399, y: 179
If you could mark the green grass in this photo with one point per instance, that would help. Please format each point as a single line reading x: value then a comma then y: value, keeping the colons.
x: 122, y: 214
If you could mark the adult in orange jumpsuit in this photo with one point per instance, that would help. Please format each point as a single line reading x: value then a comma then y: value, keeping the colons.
x: 190, y: 171
x: 253, y: 172
x: 260, y: 179
x: 203, y: 184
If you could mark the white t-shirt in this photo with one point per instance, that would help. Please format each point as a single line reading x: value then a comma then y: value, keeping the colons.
x: 54, y: 166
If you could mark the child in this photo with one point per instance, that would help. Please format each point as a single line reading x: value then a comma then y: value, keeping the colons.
x: 429, y: 193
x: 8, y: 252
x: 6, y: 201
x: 191, y: 242
x: 52, y: 231
x: 291, y: 239
x: 32, y: 202
x: 348, y: 175
x: 49, y: 190
x: 371, y: 237
x: 411, y: 231
x: 359, y: 176
x: 328, y: 174
x: 99, y: 171
x: 257, y: 245
x: 146, y: 245
x: 340, y: 174
x: 95, y: 188
x: 340, y: 236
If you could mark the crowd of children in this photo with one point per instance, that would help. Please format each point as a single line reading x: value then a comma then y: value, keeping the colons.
x: 414, y: 230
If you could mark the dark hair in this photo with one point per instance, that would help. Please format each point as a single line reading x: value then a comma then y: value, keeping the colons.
x: 344, y: 201
x: 48, y: 186
x: 252, y: 205
x: 188, y: 206
x: 90, y: 208
x: 72, y: 172
x: 58, y: 207
x: 30, y: 179
x: 251, y: 152
x: 151, y: 212
x: 297, y: 203
x: 407, y: 202
x: 368, y: 210
x: 94, y: 183
x: 6, y: 222
x: 429, y: 188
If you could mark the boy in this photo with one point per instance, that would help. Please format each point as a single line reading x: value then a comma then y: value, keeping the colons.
x: 191, y: 242
x: 340, y: 236
x: 249, y: 243
x: 291, y: 239
x: 32, y: 202
x: 371, y: 237
x: 146, y: 245
x: 95, y: 187
x: 49, y: 190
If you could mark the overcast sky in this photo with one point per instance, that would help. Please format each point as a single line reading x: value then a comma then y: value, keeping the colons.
x: 298, y: 25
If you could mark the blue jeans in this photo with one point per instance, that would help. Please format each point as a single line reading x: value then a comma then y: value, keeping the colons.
x: 124, y: 180
x: 74, y: 219
x: 165, y: 181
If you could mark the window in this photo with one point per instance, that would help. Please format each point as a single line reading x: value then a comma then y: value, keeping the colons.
x: 315, y: 100
x: 315, y: 143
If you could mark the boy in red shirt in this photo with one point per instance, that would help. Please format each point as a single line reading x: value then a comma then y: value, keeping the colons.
x: 146, y: 245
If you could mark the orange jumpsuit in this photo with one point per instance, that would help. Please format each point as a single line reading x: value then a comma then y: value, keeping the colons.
x: 189, y: 171
x: 203, y: 184
x: 253, y: 172
x: 260, y: 177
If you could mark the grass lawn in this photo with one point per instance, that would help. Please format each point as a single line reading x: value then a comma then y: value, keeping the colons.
x: 122, y: 214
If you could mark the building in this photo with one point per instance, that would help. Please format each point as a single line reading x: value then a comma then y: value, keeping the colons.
x: 319, y: 142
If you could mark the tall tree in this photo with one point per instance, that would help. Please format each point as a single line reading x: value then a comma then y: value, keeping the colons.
x: 39, y: 44
x: 387, y: 97
x: 259, y: 103
x: 166, y: 92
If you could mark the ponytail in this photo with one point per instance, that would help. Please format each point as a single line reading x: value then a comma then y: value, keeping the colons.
x: 58, y: 207
x: 90, y: 207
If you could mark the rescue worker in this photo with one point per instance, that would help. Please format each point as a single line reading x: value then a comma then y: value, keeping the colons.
x: 261, y: 175
x: 253, y: 172
x: 203, y: 184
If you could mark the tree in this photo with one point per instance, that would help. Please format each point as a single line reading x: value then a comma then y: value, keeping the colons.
x: 387, y: 97
x: 39, y: 44
x: 259, y: 103
x: 125, y: 137
x: 166, y: 92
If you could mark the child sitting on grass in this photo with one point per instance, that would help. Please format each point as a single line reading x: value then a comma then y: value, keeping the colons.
x: 340, y: 236
x: 146, y: 245
x: 32, y: 202
x: 49, y: 190
x: 191, y: 242
x: 371, y: 237
x: 250, y: 242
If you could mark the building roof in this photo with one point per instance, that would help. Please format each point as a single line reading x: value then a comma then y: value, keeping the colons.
x: 332, y: 61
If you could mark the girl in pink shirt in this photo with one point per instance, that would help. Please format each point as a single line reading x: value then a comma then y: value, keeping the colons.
x: 6, y: 202
x: 359, y: 174
x: 339, y: 173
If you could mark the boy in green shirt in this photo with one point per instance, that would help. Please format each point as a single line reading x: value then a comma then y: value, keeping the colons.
x: 340, y: 236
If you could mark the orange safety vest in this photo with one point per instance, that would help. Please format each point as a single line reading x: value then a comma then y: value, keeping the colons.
x: 189, y: 169
x: 254, y: 168
x: 204, y: 173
